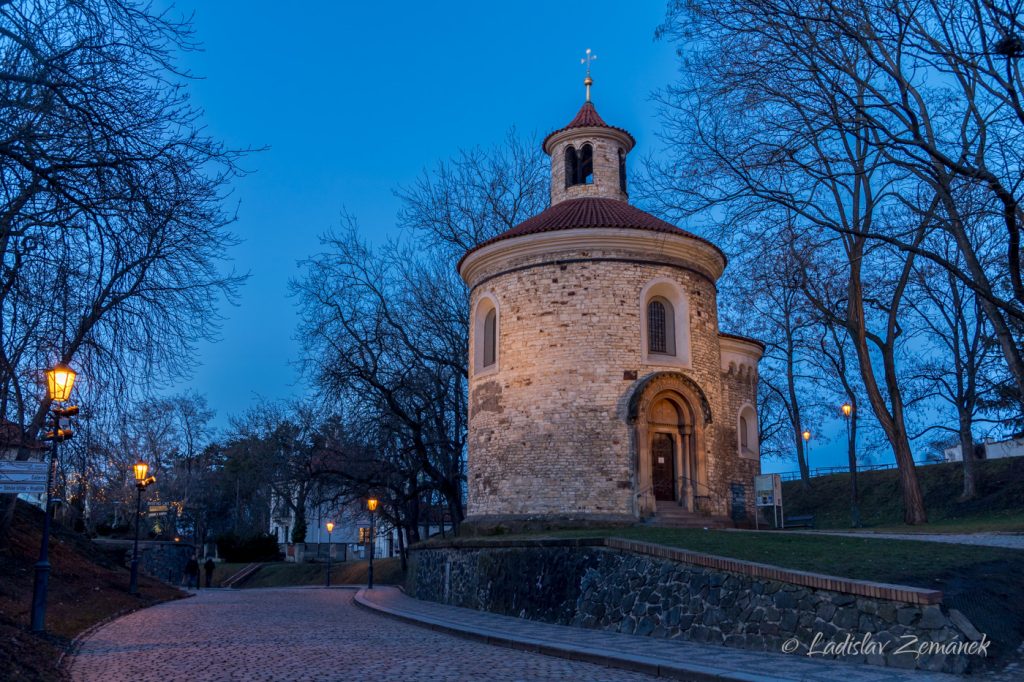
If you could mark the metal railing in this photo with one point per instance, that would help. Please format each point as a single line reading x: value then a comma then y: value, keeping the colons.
x: 701, y: 502
x: 828, y: 471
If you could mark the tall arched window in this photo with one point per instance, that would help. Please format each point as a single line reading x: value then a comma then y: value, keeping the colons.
x: 586, y: 176
x: 661, y: 337
x: 746, y: 432
x: 622, y: 170
x: 490, y: 337
x: 571, y: 166
x: 486, y: 334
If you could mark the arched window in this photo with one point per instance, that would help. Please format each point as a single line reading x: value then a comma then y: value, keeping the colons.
x: 490, y: 337
x: 746, y: 432
x: 586, y: 176
x: 486, y: 331
x: 622, y: 170
x: 661, y: 337
x: 664, y: 323
x: 571, y: 166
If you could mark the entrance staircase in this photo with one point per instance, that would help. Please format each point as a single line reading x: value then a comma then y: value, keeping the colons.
x: 671, y: 515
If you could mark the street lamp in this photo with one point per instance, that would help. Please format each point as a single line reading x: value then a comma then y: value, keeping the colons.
x: 371, y: 504
x: 140, y: 469
x: 59, y: 382
x: 330, y: 529
x: 807, y: 440
x: 847, y: 409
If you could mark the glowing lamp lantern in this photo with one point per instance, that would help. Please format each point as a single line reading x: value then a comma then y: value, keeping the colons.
x: 807, y: 435
x: 330, y: 526
x: 141, y: 469
x: 59, y: 382
x: 372, y: 503
x: 847, y: 409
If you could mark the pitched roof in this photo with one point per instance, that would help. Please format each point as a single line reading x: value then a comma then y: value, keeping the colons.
x: 587, y: 117
x: 590, y: 212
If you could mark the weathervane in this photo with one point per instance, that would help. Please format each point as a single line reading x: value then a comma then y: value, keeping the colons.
x: 588, y: 81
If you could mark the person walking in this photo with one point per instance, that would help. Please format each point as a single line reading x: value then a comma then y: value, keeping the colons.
x: 192, y: 571
x: 208, y: 567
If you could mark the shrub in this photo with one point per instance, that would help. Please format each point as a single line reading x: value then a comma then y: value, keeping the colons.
x: 259, y: 547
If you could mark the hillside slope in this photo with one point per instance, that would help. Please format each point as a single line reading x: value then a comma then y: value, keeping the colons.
x: 999, y: 505
x: 87, y: 585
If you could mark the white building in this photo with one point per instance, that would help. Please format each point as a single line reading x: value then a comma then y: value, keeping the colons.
x: 989, y: 449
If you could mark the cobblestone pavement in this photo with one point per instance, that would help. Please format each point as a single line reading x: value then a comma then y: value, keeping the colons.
x: 674, y: 657
x: 300, y: 634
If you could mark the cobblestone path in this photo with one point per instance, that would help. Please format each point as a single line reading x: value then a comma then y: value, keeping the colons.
x: 299, y: 634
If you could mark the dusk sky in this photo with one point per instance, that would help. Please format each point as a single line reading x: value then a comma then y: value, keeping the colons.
x: 355, y: 99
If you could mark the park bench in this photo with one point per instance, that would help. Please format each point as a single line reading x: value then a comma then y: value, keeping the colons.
x: 805, y: 521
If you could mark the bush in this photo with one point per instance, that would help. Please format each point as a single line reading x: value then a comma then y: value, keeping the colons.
x: 259, y: 547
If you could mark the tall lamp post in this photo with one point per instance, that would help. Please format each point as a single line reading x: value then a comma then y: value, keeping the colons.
x: 140, y: 469
x: 371, y: 504
x: 847, y: 409
x: 807, y: 447
x: 330, y: 529
x: 59, y: 382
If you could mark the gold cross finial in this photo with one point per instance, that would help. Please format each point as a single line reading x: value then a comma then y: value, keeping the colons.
x: 588, y: 81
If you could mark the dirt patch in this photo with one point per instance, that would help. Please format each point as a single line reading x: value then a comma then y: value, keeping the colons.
x: 87, y: 585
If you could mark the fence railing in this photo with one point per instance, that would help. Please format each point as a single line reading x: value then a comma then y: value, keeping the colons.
x: 828, y: 471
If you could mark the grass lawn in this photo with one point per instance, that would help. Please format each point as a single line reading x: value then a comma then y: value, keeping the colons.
x: 999, y: 505
x: 923, y: 564
x: 285, y: 574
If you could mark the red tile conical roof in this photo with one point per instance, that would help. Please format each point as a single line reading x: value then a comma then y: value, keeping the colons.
x: 590, y: 212
x: 587, y: 117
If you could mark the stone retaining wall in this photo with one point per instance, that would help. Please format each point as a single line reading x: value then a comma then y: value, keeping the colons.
x: 625, y: 587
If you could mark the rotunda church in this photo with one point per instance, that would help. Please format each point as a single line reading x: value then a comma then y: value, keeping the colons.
x: 600, y: 386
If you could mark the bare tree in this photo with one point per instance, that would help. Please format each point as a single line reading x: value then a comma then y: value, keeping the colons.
x: 112, y: 231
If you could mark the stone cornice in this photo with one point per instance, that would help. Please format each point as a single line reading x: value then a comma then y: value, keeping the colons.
x: 699, y: 254
x: 582, y: 133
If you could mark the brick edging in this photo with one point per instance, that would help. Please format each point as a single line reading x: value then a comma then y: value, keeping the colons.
x: 820, y: 581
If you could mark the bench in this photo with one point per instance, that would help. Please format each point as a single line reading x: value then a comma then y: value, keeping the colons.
x: 805, y: 521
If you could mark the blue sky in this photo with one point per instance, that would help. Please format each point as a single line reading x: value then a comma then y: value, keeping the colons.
x: 355, y: 99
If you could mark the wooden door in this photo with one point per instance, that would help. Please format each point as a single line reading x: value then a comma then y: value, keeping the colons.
x: 663, y: 466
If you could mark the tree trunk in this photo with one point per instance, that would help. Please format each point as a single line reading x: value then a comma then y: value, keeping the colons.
x: 967, y: 455
x: 401, y: 549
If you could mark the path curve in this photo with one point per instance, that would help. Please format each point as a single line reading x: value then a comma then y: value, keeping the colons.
x: 299, y: 634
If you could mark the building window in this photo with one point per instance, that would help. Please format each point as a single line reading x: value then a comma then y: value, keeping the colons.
x: 622, y: 170
x: 571, y: 166
x: 490, y: 337
x: 486, y: 334
x: 660, y: 327
x: 746, y: 431
x: 586, y: 173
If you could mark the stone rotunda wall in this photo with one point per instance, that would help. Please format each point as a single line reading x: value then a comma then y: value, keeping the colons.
x: 548, y: 429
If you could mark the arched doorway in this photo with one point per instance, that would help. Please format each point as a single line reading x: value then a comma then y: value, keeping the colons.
x: 670, y: 413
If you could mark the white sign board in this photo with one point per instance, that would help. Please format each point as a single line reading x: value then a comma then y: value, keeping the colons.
x: 22, y: 477
x: 768, y: 490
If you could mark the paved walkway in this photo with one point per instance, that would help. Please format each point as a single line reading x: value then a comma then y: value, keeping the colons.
x: 1008, y: 540
x: 300, y: 634
x: 675, y: 658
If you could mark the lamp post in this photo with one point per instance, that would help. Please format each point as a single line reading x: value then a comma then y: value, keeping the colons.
x: 807, y: 446
x: 140, y: 469
x: 371, y: 504
x: 847, y: 409
x: 59, y: 382
x: 330, y: 529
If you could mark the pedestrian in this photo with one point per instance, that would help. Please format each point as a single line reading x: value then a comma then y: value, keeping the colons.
x: 208, y: 567
x: 192, y: 571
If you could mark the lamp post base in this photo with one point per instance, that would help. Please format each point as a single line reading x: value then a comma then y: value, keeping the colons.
x: 133, y: 583
x: 42, y: 580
